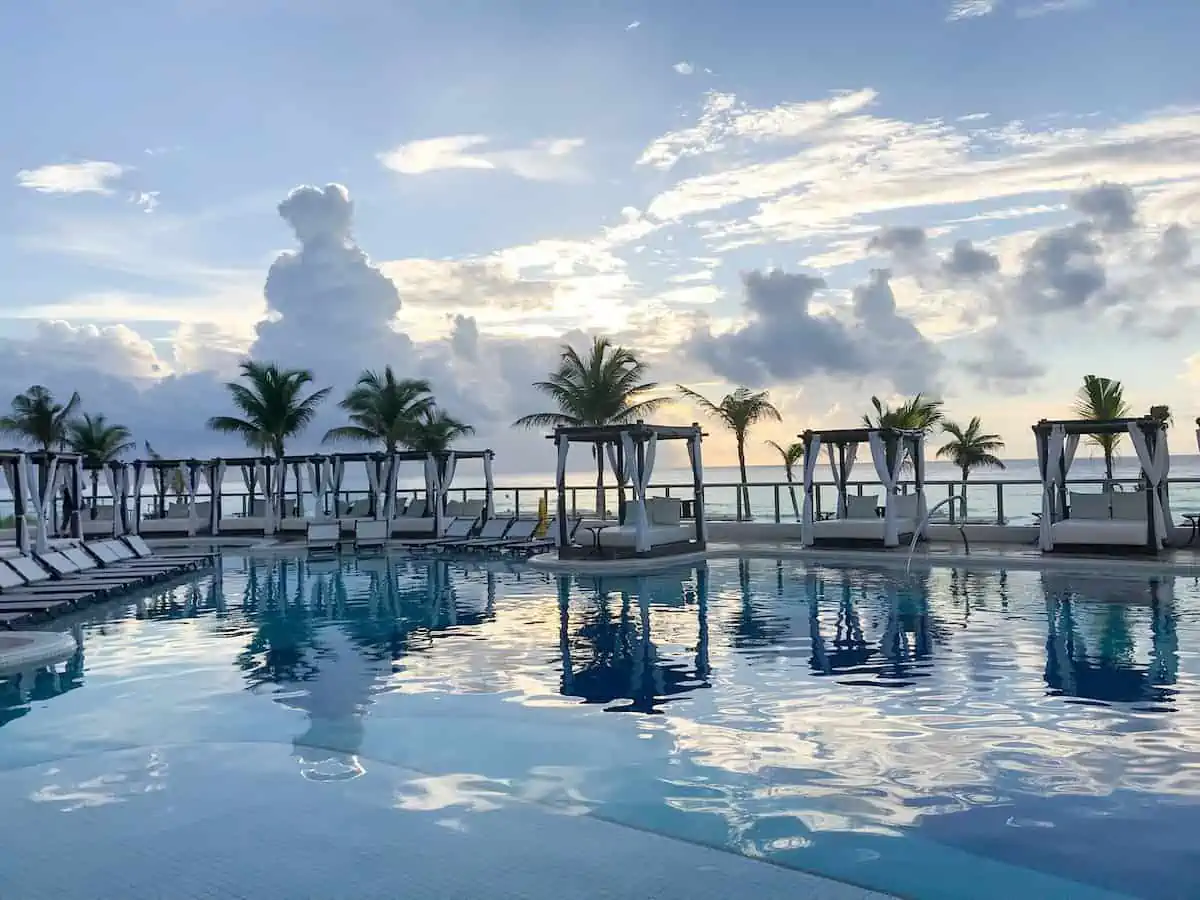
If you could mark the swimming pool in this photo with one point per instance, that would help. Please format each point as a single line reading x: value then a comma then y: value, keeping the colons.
x: 944, y: 735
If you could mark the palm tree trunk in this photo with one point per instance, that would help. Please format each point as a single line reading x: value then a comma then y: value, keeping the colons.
x: 966, y: 473
x: 96, y: 492
x: 1108, y: 469
x: 745, y: 491
x: 599, y: 480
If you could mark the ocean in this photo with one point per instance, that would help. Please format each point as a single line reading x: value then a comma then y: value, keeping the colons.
x: 520, y: 492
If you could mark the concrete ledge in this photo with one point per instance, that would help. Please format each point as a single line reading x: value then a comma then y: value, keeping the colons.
x: 28, y: 649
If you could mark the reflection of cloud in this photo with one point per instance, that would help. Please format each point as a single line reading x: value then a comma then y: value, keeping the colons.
x: 473, y: 792
x: 105, y: 789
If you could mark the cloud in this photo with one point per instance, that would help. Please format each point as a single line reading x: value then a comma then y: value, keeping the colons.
x: 1036, y: 10
x: 971, y: 9
x: 1111, y: 207
x: 147, y: 200
x: 1175, y: 250
x: 632, y: 25
x: 467, y: 284
x: 86, y: 177
x: 782, y: 338
x: 966, y: 261
x: 326, y: 301
x: 900, y: 240
x: 550, y: 159
x: 1063, y: 270
x: 684, y: 68
x: 1002, y: 365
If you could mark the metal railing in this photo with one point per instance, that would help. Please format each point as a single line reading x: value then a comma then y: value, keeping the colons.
x: 981, y: 501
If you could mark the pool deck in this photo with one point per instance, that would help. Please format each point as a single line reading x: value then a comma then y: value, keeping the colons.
x: 236, y: 821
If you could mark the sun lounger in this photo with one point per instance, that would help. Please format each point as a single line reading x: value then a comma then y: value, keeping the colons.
x: 456, y: 530
x: 21, y: 599
x: 115, y: 556
x: 533, y: 545
x: 138, y: 545
x: 371, y: 534
x: 493, y: 530
x: 67, y: 572
x: 323, y: 538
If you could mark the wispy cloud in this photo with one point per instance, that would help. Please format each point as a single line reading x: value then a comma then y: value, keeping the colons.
x: 549, y: 159
x: 971, y: 9
x: 1046, y: 7
x: 87, y: 177
x: 147, y: 200
x: 684, y: 68
x: 632, y: 25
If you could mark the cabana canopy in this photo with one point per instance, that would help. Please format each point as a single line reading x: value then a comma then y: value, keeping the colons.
x: 1058, y: 440
x: 631, y: 449
x: 889, y: 449
x: 33, y: 479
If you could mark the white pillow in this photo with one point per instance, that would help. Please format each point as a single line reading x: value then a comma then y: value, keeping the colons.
x: 665, y: 510
x: 862, y: 507
x: 1089, y: 506
x: 905, y: 505
x: 1129, y: 506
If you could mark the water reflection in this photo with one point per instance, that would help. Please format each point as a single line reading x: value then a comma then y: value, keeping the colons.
x: 611, y: 657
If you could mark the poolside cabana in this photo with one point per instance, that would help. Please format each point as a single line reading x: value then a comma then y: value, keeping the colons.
x: 857, y: 520
x: 183, y: 517
x: 649, y: 526
x: 34, y: 479
x: 1108, y: 521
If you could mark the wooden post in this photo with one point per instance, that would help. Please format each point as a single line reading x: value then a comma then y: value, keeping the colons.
x: 1152, y: 436
x: 694, y: 444
x: 19, y: 492
x: 75, y: 526
x: 842, y: 500
x: 560, y: 479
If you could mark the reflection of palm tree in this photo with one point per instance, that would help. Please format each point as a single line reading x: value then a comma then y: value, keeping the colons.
x: 752, y: 628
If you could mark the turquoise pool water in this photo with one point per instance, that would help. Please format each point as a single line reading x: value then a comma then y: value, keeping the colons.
x: 947, y: 735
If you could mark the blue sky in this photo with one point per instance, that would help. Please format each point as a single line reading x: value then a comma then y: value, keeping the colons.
x: 534, y: 171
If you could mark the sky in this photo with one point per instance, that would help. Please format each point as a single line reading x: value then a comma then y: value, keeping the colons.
x: 981, y: 200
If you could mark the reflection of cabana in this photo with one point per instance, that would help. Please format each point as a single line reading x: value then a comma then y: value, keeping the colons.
x: 1108, y: 520
x: 857, y: 519
x: 33, y: 480
x: 649, y: 526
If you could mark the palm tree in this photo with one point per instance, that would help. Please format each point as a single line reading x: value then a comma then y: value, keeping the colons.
x: 273, y: 408
x: 738, y: 412
x: 435, y: 431
x: 970, y: 449
x: 915, y: 414
x: 383, y: 409
x: 791, y: 455
x: 177, y: 483
x: 38, y: 419
x: 606, y: 388
x: 1162, y: 413
x: 98, y: 443
x: 1099, y: 399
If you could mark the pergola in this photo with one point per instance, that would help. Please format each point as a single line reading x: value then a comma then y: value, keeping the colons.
x: 33, y: 479
x: 889, y: 449
x: 631, y: 450
x: 1058, y: 440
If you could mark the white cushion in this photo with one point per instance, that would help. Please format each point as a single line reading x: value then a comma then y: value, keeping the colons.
x: 862, y: 507
x: 1089, y: 506
x: 1115, y: 532
x: 871, y: 529
x: 905, y: 505
x: 664, y: 510
x: 626, y: 535
x: 177, y: 511
x: 1130, y: 507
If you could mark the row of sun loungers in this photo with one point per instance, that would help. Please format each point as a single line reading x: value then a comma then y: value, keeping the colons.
x: 464, y: 534
x: 68, y: 577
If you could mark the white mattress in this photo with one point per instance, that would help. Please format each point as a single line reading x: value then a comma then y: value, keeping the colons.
x: 1119, y: 532
x: 626, y: 535
x: 858, y: 529
x: 164, y: 526
x: 294, y: 525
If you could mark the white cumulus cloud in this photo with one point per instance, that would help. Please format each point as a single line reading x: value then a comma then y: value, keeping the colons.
x: 684, y: 68
x: 970, y: 9
x: 90, y: 176
x: 547, y: 159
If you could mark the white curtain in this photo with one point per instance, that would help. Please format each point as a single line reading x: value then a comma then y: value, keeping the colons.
x: 812, y: 456
x: 840, y: 476
x: 337, y: 473
x: 432, y: 492
x: 642, y: 485
x: 139, y: 476
x: 1048, y: 458
x: 374, y: 484
x: 560, y: 480
x: 192, y: 480
x: 622, y: 473
x: 14, y: 470
x: 316, y: 482
x: 489, y: 487
x: 112, y: 479
x: 1155, y: 466
x: 42, y: 503
x: 918, y: 457
x: 77, y: 491
x: 889, y: 478
x: 444, y: 482
x: 383, y: 506
x: 22, y: 475
x: 214, y: 476
x: 393, y: 478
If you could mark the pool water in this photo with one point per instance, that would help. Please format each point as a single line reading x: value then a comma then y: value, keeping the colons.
x: 948, y: 734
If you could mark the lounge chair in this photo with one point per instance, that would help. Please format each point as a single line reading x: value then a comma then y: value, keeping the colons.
x: 413, y: 523
x: 19, y: 603
x: 68, y: 571
x: 456, y: 530
x: 493, y: 530
x: 138, y: 545
x: 323, y: 538
x: 116, y: 556
x: 532, y: 545
x: 371, y: 534
x: 99, y: 524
